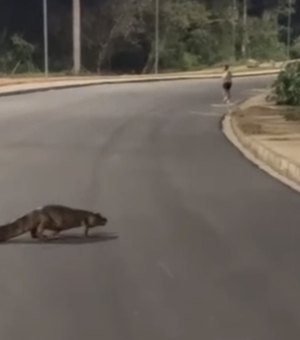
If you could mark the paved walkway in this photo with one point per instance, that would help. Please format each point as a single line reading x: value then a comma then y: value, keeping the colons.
x: 24, y: 85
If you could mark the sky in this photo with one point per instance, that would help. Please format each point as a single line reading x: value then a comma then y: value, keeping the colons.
x: 18, y: 15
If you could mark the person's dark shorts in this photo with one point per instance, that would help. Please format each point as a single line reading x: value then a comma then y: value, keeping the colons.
x: 227, y: 86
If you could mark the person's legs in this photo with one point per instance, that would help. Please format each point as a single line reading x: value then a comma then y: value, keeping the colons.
x: 227, y: 93
x: 224, y: 92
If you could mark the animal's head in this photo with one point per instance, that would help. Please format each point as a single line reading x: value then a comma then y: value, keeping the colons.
x: 96, y: 219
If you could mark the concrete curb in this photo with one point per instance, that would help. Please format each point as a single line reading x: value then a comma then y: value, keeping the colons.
x: 48, y: 87
x: 274, y: 164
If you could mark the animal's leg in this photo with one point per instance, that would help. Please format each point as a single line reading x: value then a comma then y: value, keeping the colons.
x: 85, y: 224
x: 40, y: 232
x: 54, y: 235
x: 86, y: 231
x: 33, y: 233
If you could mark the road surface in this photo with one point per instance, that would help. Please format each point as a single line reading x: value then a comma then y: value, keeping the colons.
x: 200, y: 243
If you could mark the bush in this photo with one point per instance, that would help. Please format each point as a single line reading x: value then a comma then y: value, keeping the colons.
x: 189, y: 61
x: 295, y: 50
x: 16, y: 55
x: 286, y: 88
x: 264, y: 42
x: 252, y: 63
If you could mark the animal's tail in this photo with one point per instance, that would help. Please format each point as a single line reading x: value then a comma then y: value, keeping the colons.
x: 16, y: 228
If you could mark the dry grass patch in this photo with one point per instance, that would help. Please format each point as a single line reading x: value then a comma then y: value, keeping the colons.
x: 258, y: 120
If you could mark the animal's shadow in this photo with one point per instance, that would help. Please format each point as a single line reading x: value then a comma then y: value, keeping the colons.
x: 68, y: 239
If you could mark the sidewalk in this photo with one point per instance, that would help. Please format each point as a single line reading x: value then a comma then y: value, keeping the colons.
x: 262, y: 132
x: 13, y: 86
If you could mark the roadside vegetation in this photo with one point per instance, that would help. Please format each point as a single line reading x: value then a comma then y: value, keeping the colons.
x: 286, y: 88
x: 118, y: 36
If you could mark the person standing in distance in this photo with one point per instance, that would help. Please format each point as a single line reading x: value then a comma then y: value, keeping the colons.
x: 227, y: 83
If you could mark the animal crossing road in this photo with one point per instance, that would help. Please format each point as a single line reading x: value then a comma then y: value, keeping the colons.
x: 200, y: 244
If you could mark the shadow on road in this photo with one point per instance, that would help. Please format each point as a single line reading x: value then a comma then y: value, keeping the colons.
x: 67, y: 239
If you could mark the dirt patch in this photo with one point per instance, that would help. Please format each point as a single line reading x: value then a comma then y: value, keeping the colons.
x: 270, y: 120
x: 250, y: 128
x: 292, y: 114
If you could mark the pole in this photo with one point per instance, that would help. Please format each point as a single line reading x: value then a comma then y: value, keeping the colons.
x: 76, y: 37
x: 245, y: 37
x: 46, y: 59
x: 156, y: 36
x: 234, y: 18
x: 289, y: 29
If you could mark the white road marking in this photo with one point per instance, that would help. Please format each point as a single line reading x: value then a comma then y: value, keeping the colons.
x: 224, y: 104
x: 219, y: 105
x: 207, y: 114
x: 256, y: 90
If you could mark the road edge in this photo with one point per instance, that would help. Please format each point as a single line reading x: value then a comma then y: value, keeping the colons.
x: 275, y: 165
x: 45, y: 87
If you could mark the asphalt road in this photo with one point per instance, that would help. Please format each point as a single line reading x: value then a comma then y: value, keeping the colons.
x: 200, y: 243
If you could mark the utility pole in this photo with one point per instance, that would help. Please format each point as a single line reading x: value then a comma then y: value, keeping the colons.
x: 156, y: 64
x: 46, y: 58
x: 76, y: 37
x: 245, y: 29
x: 289, y: 29
x: 234, y: 20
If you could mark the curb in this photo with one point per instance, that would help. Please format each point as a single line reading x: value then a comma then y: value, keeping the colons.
x: 274, y: 164
x: 128, y: 80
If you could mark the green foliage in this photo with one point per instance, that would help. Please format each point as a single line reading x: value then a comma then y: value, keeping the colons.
x: 119, y: 36
x: 295, y: 50
x: 22, y: 53
x: 286, y: 88
x: 16, y: 54
x: 23, y: 50
x: 264, y: 42
x: 285, y: 6
x: 193, y: 34
x: 188, y: 39
x: 203, y: 45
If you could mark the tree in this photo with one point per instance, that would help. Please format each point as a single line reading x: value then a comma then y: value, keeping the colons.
x: 264, y: 41
x: 285, y: 10
x: 109, y: 26
x: 119, y: 36
x: 16, y: 54
x: 186, y: 38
